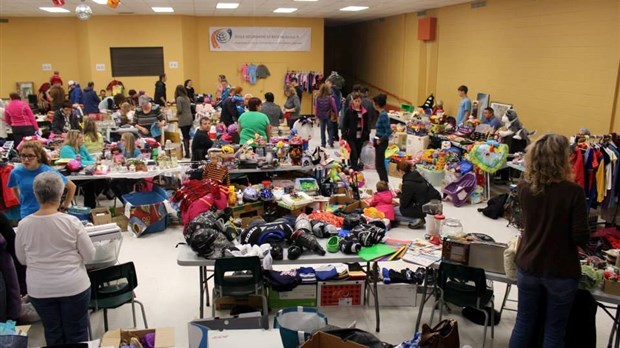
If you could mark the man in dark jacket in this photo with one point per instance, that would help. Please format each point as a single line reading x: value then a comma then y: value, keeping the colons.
x: 201, y: 142
x: 91, y: 99
x: 356, y: 129
x: 75, y: 92
x: 415, y: 192
x: 65, y: 119
x: 160, y: 91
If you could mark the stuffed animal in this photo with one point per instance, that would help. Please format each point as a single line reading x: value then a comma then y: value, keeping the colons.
x: 514, y: 127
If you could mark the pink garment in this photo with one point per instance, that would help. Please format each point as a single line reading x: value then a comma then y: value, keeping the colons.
x: 203, y: 204
x: 18, y: 113
x: 383, y: 202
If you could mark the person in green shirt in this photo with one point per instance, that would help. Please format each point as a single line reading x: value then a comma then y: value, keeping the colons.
x: 254, y: 122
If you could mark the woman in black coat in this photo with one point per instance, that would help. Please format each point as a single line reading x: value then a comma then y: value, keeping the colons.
x: 415, y: 192
x: 356, y: 128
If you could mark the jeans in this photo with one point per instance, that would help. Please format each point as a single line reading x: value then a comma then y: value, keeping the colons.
x: 333, y: 132
x: 398, y: 216
x: 559, y: 294
x: 65, y: 319
x: 380, y: 161
x: 19, y: 132
x: 324, y: 125
x: 185, y: 131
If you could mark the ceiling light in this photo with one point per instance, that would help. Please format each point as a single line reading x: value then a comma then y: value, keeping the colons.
x: 354, y: 8
x: 101, y: 2
x: 306, y: 0
x: 227, y: 5
x: 54, y: 9
x: 163, y: 9
x: 284, y: 10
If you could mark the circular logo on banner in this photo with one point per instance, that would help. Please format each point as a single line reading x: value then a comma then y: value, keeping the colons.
x: 221, y: 36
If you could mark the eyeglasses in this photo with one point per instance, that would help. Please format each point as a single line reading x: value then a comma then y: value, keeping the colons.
x: 28, y: 157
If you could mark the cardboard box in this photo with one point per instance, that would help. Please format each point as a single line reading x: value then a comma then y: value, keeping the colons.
x: 395, y: 295
x: 393, y: 171
x: 341, y: 293
x: 611, y: 287
x: 325, y: 340
x: 210, y: 332
x: 400, y: 139
x: 201, y: 337
x: 416, y: 144
x: 101, y: 216
x: 164, y: 337
x: 122, y: 221
x: 354, y: 206
x: 301, y: 295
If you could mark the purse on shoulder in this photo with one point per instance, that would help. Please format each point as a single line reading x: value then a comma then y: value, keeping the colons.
x: 443, y: 335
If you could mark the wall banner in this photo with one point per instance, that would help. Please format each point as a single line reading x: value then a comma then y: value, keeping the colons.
x: 260, y: 39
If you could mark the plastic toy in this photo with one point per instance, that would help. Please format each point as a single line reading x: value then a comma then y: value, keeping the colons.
x: 373, y: 213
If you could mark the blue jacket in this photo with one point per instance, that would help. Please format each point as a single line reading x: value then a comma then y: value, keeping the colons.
x: 91, y: 101
x: 76, y: 94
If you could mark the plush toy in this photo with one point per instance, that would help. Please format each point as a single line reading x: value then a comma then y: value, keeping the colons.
x: 373, y: 213
x: 514, y: 127
x: 344, y: 152
x: 281, y: 151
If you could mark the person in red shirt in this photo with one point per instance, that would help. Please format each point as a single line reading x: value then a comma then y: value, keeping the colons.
x: 19, y: 116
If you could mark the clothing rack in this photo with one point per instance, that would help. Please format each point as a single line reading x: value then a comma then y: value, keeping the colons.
x: 309, y: 80
x: 595, y: 160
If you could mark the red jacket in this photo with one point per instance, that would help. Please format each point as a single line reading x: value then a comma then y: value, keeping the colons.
x: 383, y: 202
x: 8, y: 196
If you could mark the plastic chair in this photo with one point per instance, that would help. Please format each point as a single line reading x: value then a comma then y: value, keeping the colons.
x: 113, y: 287
x: 455, y: 286
x: 246, y: 280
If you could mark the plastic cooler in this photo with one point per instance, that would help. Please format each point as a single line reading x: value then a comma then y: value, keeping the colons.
x: 141, y: 207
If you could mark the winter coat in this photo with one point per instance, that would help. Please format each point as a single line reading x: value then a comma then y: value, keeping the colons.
x: 7, y: 271
x: 58, y: 123
x: 383, y: 202
x: 229, y: 114
x: 323, y: 106
x: 91, y: 101
x: 160, y: 92
x: 415, y: 192
x: 349, y: 125
x: 75, y: 94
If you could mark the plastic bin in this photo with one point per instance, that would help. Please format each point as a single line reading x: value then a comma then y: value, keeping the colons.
x: 297, y: 324
x: 107, y: 240
x: 434, y: 177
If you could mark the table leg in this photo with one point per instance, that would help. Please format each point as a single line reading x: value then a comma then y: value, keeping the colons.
x: 375, y: 270
x: 424, y: 299
x: 201, y: 284
x: 617, y: 343
x: 508, y: 286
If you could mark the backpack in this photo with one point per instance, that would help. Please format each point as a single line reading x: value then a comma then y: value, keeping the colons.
x: 495, y: 207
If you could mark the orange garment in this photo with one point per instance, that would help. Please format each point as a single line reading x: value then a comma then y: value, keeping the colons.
x: 601, y: 185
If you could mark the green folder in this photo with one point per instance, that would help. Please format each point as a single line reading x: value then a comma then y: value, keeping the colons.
x: 375, y: 252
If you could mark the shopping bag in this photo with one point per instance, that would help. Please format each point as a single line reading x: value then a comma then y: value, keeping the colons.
x: 368, y: 156
x: 443, y: 335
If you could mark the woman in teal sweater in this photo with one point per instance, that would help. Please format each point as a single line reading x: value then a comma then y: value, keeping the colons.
x: 74, y: 145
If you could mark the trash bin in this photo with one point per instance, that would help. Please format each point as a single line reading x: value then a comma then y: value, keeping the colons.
x: 297, y: 324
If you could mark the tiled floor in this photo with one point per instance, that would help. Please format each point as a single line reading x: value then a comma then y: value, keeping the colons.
x: 170, y: 292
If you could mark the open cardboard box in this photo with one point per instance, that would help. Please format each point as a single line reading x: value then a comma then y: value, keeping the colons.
x: 164, y: 337
x: 101, y: 216
x: 325, y: 340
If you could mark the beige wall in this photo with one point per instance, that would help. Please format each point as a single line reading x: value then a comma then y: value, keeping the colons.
x: 78, y: 46
x: 556, y: 61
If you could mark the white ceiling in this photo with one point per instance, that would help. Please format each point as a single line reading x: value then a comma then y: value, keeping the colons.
x: 328, y: 9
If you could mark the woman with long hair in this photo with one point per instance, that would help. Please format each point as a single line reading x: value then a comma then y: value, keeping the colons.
x: 324, y: 107
x: 356, y: 128
x: 191, y: 94
x: 74, y: 146
x: 128, y: 146
x: 554, y: 216
x: 93, y: 140
x: 184, y: 113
